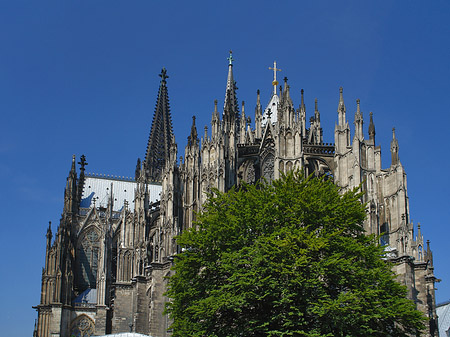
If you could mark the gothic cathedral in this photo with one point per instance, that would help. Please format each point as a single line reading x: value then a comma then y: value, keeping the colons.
x: 106, y: 266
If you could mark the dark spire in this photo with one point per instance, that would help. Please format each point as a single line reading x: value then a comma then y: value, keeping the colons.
x: 70, y: 193
x: 394, y: 149
x: 137, y: 172
x: 302, y: 103
x: 160, y: 135
x: 371, y: 128
x: 193, y: 137
x: 82, y: 164
x: 231, y: 102
x: 316, y: 111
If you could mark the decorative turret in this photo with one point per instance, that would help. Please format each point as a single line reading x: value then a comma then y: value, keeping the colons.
x: 316, y: 111
x: 341, y: 108
x: 48, y: 245
x: 359, y: 122
x: 82, y: 164
x: 242, y: 125
x: 394, y: 149
x: 302, y: 114
x: 193, y: 137
x: 70, y: 193
x: 258, y: 115
x: 137, y: 172
x: 160, y: 134
x: 372, y: 128
x: 215, y: 121
x: 342, y: 129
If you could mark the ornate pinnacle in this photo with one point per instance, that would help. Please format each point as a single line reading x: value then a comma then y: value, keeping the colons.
x: 230, y: 58
x: 163, y: 74
x: 83, y: 162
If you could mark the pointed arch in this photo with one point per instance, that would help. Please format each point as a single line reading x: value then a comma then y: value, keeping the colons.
x: 87, y: 255
x: 82, y: 326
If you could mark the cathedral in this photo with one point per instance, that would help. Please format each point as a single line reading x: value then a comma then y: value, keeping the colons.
x: 106, y: 265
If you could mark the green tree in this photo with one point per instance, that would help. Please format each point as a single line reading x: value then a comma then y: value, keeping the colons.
x: 287, y: 259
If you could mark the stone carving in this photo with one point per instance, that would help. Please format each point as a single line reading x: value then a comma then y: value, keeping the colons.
x: 268, y: 168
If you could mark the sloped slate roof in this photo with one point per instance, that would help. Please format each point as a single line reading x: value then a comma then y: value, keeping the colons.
x: 126, y: 334
x: 443, y: 312
x: 99, y: 187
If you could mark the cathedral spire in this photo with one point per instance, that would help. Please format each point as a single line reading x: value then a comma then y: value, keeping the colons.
x: 341, y: 108
x: 158, y: 145
x: 302, y: 102
x: 230, y: 90
x: 371, y: 128
x: 193, y: 137
x: 70, y: 193
x: 359, y: 121
x: 394, y: 149
x: 83, y: 164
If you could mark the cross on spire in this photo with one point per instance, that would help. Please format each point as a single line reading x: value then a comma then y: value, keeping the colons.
x: 275, y: 82
x: 230, y: 58
x: 163, y: 74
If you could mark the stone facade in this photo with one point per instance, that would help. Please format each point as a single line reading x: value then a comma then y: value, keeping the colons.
x: 106, y: 269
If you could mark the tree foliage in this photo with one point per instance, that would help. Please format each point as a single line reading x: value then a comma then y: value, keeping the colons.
x: 287, y: 259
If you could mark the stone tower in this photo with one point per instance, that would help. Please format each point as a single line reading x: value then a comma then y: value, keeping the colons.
x: 105, y: 270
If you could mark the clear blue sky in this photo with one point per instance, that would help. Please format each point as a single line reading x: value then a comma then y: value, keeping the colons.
x: 81, y: 77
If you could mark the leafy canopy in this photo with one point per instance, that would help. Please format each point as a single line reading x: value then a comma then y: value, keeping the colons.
x: 287, y: 259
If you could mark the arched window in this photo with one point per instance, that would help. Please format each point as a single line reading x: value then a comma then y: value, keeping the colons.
x: 87, y: 259
x: 268, y: 167
x: 82, y: 326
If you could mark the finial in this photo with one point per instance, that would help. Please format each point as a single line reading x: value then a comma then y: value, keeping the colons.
x: 215, y: 105
x: 82, y: 162
x: 393, y: 133
x: 357, y: 106
x: 206, y: 132
x: 418, y: 226
x: 73, y: 169
x: 243, y: 105
x: 285, y: 79
x: 230, y: 58
x: 315, y: 105
x: 249, y: 120
x: 163, y: 75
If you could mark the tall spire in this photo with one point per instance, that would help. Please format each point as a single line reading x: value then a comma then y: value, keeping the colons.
x: 394, y: 149
x: 70, y: 193
x: 193, y: 137
x: 341, y: 108
x: 302, y: 102
x: 230, y: 91
x: 371, y: 128
x: 158, y: 145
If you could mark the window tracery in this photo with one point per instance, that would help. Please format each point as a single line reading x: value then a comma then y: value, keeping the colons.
x: 87, y: 256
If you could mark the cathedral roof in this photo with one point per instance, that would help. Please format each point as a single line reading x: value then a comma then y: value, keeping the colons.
x: 443, y: 313
x: 273, y: 107
x: 126, y: 334
x: 88, y: 296
x: 100, y: 188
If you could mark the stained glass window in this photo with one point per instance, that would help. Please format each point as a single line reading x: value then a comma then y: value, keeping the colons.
x: 88, y: 250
